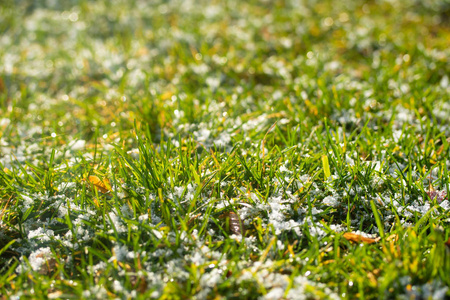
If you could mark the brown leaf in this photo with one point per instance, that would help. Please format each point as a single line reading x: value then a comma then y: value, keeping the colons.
x: 448, y: 242
x: 436, y: 194
x: 356, y: 238
x: 49, y: 266
x: 236, y: 224
x: 190, y: 222
x: 103, y: 186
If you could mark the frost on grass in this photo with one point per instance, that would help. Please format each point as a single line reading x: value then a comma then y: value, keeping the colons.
x: 435, y: 289
x: 330, y: 201
x: 42, y: 261
x: 276, y: 212
x: 278, y: 285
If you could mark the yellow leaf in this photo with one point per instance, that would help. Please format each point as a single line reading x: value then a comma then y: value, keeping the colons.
x: 101, y: 185
x: 356, y: 238
x: 96, y: 202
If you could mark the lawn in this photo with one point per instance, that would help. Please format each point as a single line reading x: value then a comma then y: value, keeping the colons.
x: 224, y: 149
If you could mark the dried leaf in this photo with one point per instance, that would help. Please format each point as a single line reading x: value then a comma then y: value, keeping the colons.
x: 49, y: 265
x: 372, y: 279
x: 142, y: 286
x: 190, y: 222
x: 448, y: 242
x: 357, y: 238
x: 392, y: 237
x: 96, y: 202
x: 236, y: 224
x: 439, y: 195
x: 101, y: 185
x: 55, y: 295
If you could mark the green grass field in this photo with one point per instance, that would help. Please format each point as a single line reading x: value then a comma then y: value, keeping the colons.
x: 224, y: 149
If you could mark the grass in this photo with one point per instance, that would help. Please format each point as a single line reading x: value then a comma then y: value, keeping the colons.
x: 224, y: 149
